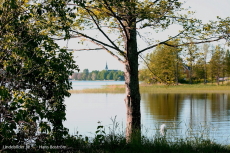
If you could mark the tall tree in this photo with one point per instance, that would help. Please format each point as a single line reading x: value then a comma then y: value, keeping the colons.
x: 163, y: 65
x: 205, y: 49
x: 34, y: 71
x: 191, y: 55
x: 227, y: 62
x: 216, y: 63
x: 198, y: 70
x: 125, y: 19
x: 200, y: 63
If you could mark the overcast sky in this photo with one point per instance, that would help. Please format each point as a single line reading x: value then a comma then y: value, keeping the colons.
x: 96, y: 60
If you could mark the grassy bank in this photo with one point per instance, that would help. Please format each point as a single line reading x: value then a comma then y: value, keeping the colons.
x: 197, y: 88
x: 117, y: 144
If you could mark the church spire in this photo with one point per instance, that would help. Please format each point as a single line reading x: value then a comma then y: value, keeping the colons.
x: 106, y: 67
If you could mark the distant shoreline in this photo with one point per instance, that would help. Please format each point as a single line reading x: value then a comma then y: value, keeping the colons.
x: 197, y: 88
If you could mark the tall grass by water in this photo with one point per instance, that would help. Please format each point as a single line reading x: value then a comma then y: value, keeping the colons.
x: 197, y: 140
x: 144, y: 88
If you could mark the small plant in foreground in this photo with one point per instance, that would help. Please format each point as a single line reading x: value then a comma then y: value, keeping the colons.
x: 100, y: 134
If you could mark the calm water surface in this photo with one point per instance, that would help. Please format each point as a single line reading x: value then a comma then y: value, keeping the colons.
x: 186, y: 115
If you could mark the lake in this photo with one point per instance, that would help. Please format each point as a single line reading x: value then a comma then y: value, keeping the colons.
x: 186, y: 115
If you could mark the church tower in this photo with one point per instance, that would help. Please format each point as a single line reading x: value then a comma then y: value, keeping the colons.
x: 106, y: 67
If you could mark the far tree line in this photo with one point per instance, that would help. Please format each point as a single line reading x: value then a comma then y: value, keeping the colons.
x: 190, y: 64
x: 99, y: 75
x: 171, y: 65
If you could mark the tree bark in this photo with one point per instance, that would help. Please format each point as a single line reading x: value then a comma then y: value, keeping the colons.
x: 132, y: 101
x: 205, y: 73
x: 177, y: 68
x: 190, y: 74
x: 132, y: 97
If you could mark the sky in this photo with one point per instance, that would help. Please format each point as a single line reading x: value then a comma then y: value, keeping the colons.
x: 96, y: 60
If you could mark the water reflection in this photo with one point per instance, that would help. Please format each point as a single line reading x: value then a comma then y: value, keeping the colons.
x: 187, y: 106
x: 184, y: 114
x: 162, y: 106
x: 187, y: 113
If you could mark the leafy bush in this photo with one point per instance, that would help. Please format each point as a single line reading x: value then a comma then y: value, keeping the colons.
x: 34, y: 73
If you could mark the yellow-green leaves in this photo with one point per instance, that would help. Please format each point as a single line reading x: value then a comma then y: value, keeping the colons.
x: 207, y: 27
x: 162, y: 64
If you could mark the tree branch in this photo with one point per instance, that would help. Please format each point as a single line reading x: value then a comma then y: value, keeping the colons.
x: 183, y: 44
x: 201, y: 42
x: 92, y: 39
x: 163, y: 42
x: 98, y: 43
x: 92, y: 17
x: 156, y: 1
x: 119, y: 59
x: 118, y: 19
x: 153, y: 72
x: 84, y: 49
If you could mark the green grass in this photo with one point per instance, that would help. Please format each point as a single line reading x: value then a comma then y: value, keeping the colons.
x: 158, y: 145
x: 185, y: 88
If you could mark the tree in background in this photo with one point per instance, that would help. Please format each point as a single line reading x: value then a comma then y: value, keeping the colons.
x: 119, y: 75
x: 198, y: 70
x: 89, y: 76
x: 163, y: 65
x: 227, y: 62
x: 110, y: 75
x: 200, y: 64
x: 74, y: 76
x: 34, y: 71
x: 79, y: 76
x: 216, y: 63
x: 94, y: 74
x: 102, y: 75
x: 205, y: 49
x: 146, y: 77
x: 191, y: 55
x: 85, y: 74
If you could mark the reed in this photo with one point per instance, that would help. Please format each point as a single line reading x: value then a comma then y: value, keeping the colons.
x: 197, y: 88
x: 104, y: 89
x: 115, y: 141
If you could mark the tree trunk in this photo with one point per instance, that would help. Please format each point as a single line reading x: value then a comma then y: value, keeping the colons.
x: 217, y: 81
x: 190, y: 75
x: 218, y: 76
x: 205, y: 73
x: 177, y: 68
x: 132, y: 97
x: 132, y: 101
